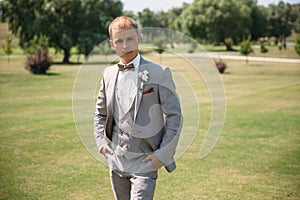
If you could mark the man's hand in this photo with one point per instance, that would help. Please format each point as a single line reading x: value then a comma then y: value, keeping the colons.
x: 156, y: 163
x: 105, y: 150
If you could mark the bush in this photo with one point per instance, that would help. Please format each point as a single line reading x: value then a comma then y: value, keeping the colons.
x: 297, y: 45
x: 263, y: 48
x: 228, y: 43
x: 193, y: 47
x: 245, y: 48
x: 38, y: 62
x: 221, y: 66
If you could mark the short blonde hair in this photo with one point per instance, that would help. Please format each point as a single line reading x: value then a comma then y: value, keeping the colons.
x: 123, y: 22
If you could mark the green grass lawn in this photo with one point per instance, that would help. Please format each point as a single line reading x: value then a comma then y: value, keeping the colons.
x: 257, y: 156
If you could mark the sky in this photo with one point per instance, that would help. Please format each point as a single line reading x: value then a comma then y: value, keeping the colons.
x: 165, y: 5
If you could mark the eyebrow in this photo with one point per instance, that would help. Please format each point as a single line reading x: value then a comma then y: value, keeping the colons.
x: 117, y: 38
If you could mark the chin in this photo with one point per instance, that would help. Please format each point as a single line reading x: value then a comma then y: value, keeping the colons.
x: 129, y: 56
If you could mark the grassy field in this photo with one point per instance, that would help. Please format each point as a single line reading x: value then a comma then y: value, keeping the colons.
x: 257, y: 156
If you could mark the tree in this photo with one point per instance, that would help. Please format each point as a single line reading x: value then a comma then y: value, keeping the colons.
x: 263, y: 48
x: 228, y: 42
x: 297, y: 45
x: 146, y: 19
x: 7, y: 47
x: 98, y: 15
x: 216, y: 20
x: 162, y: 19
x: 173, y: 18
x: 159, y: 43
x: 281, y: 21
x: 296, y: 11
x: 66, y: 23
x: 257, y: 19
x: 245, y: 48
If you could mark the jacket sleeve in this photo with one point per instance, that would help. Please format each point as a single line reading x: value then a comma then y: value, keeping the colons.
x: 170, y: 103
x: 100, y: 117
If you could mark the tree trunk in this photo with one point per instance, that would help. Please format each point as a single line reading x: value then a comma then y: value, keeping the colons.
x: 160, y: 58
x: 229, y: 47
x: 284, y: 42
x: 66, y: 56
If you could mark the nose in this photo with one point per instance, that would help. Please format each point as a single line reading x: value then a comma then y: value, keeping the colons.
x: 125, y: 44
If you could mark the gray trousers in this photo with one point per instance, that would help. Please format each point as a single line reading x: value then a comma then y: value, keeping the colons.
x: 133, y: 186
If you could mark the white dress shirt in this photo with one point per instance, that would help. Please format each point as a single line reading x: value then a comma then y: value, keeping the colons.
x: 126, y: 87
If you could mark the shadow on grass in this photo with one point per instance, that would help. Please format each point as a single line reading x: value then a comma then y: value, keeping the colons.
x: 220, y: 50
x: 85, y: 63
x: 51, y: 74
x: 70, y: 63
x: 46, y: 74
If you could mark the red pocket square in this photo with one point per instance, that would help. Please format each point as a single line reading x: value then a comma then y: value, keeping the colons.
x: 148, y: 91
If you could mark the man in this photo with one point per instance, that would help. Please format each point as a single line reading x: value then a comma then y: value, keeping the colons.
x: 138, y: 116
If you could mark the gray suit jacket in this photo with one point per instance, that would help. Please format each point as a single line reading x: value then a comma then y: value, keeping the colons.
x: 157, y: 117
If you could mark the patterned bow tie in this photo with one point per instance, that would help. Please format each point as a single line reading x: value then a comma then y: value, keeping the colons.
x: 126, y: 67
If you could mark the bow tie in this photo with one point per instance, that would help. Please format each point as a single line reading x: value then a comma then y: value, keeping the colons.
x: 125, y: 67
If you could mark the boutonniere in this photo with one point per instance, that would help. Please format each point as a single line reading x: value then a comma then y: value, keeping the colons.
x: 144, y: 76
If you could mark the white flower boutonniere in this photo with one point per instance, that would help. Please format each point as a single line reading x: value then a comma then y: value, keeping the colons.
x: 144, y: 76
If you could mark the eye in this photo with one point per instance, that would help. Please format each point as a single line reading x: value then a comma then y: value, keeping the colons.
x: 118, y: 41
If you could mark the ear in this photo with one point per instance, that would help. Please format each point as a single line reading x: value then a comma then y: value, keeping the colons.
x: 139, y: 38
x: 111, y: 43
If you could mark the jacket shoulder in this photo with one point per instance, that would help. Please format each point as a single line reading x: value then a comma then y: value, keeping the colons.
x: 110, y: 69
x: 153, y: 66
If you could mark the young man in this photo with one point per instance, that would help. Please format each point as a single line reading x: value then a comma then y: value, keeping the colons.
x: 138, y: 116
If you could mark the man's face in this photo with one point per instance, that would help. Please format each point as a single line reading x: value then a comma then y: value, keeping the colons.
x: 125, y: 42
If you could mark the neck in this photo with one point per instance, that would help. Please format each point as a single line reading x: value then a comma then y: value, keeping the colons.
x: 128, y: 60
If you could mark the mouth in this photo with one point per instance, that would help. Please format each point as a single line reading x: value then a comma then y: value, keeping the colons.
x: 126, y: 53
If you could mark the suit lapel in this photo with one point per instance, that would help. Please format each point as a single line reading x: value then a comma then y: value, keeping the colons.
x: 139, y: 93
x: 111, y: 89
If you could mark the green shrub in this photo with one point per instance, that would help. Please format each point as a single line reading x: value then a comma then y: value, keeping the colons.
x: 193, y: 47
x: 246, y: 48
x: 228, y: 43
x: 297, y: 45
x: 263, y: 48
